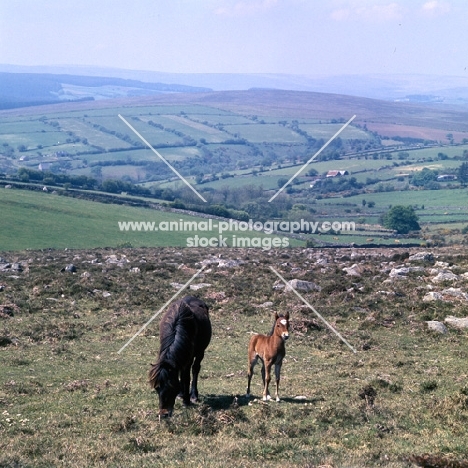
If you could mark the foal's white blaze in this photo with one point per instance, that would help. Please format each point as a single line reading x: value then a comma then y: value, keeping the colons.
x: 284, y: 322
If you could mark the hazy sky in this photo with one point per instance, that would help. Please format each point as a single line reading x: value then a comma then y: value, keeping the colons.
x: 240, y: 36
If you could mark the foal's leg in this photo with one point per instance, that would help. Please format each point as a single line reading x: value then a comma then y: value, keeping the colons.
x: 267, y: 372
x: 277, y: 374
x: 252, y: 361
x: 195, y: 371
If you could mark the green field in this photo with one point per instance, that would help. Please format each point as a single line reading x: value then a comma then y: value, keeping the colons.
x: 39, y: 220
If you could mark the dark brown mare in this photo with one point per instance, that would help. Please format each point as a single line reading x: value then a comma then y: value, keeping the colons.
x: 271, y: 350
x: 184, y: 332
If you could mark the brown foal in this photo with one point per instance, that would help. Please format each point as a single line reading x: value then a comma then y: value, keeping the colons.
x: 271, y: 350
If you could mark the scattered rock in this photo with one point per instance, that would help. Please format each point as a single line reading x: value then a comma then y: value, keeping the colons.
x: 455, y: 292
x: 355, y: 270
x: 229, y: 263
x: 421, y: 257
x: 444, y: 276
x: 265, y: 304
x: 386, y: 293
x: 301, y: 285
x: 70, y: 268
x: 196, y: 287
x: 16, y: 267
x: 115, y: 260
x: 278, y: 285
x: 436, y: 326
x: 177, y: 285
x: 222, y: 263
x: 106, y: 294
x: 457, y: 322
x: 135, y: 270
x: 433, y: 296
x: 402, y: 271
x: 5, y: 266
x: 86, y: 275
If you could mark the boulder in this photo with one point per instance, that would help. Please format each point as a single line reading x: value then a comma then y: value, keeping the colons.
x: 301, y: 285
x: 196, y: 287
x: 402, y: 271
x: 456, y: 322
x: 355, y: 270
x: 433, y: 296
x: 422, y: 257
x: 436, y: 326
x: 229, y: 263
x: 444, y: 276
x: 114, y: 260
x: 455, y: 292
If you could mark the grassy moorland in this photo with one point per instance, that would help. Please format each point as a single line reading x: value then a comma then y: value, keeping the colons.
x: 67, y: 398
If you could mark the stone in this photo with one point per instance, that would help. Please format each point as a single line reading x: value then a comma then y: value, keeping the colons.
x: 114, y: 260
x: 444, y: 276
x: 433, y: 296
x: 437, y: 326
x: 355, y: 270
x: 422, y: 257
x: 196, y: 287
x: 456, y: 322
x: 229, y: 263
x: 455, y: 292
x: 301, y: 285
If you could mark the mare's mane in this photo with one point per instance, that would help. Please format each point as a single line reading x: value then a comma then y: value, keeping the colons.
x: 177, y: 329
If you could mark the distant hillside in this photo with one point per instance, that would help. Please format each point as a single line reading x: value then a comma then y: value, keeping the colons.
x: 30, y: 89
x: 410, y: 88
